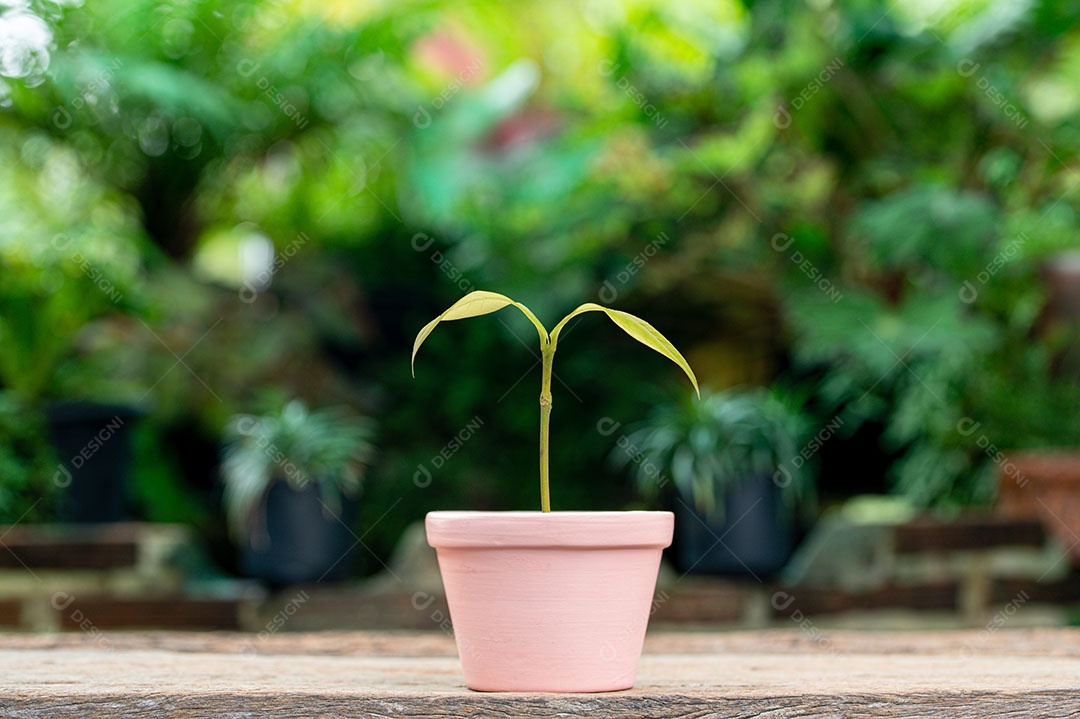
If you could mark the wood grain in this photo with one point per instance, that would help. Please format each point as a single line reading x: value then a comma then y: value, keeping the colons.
x: 973, y: 705
x: 1014, y: 673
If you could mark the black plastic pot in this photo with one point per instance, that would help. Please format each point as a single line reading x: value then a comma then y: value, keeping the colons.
x: 301, y: 540
x: 93, y: 444
x: 755, y: 534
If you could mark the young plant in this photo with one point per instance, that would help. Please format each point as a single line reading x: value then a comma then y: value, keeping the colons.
x: 480, y: 302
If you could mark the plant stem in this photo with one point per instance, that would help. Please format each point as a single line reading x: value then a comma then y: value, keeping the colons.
x: 548, y: 355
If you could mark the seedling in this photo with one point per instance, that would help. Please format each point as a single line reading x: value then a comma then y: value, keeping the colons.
x: 480, y: 302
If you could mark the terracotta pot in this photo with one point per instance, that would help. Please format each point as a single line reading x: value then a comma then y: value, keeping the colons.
x: 554, y: 602
x: 1044, y: 486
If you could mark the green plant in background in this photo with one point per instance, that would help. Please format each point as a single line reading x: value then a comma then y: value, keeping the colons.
x: 906, y: 367
x: 563, y: 149
x: 60, y: 271
x: 329, y: 447
x: 71, y: 260
x: 712, y: 447
x: 480, y: 302
x: 27, y: 464
x: 932, y: 331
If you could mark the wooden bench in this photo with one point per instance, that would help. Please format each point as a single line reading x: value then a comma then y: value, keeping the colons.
x: 122, y: 575
x: 134, y: 576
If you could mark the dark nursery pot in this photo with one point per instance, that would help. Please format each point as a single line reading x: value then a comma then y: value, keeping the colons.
x: 93, y: 444
x: 300, y: 541
x: 755, y: 535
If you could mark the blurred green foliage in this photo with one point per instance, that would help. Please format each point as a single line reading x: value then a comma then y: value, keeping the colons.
x: 26, y: 463
x: 807, y: 191
x: 711, y: 447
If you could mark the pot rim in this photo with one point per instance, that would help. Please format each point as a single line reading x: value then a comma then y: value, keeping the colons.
x: 464, y: 529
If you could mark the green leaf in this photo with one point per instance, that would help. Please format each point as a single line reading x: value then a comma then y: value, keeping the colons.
x: 474, y: 304
x: 637, y: 328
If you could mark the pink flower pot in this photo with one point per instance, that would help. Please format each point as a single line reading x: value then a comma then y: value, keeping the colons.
x: 555, y: 602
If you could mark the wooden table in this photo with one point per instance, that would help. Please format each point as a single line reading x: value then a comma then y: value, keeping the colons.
x: 780, y: 673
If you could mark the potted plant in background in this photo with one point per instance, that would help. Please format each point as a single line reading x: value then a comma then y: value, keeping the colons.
x: 734, y: 461
x: 550, y: 601
x: 291, y: 481
x: 26, y: 463
x: 56, y: 294
x: 1031, y: 444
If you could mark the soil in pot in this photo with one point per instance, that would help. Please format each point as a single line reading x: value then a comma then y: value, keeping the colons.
x: 555, y: 602
x: 302, y: 539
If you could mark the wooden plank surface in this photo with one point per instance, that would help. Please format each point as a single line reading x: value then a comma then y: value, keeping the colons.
x: 960, y: 534
x: 818, y: 601
x: 34, y: 554
x: 789, y: 673
x: 10, y: 612
x: 153, y: 612
x: 1029, y: 673
x: 70, y: 546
